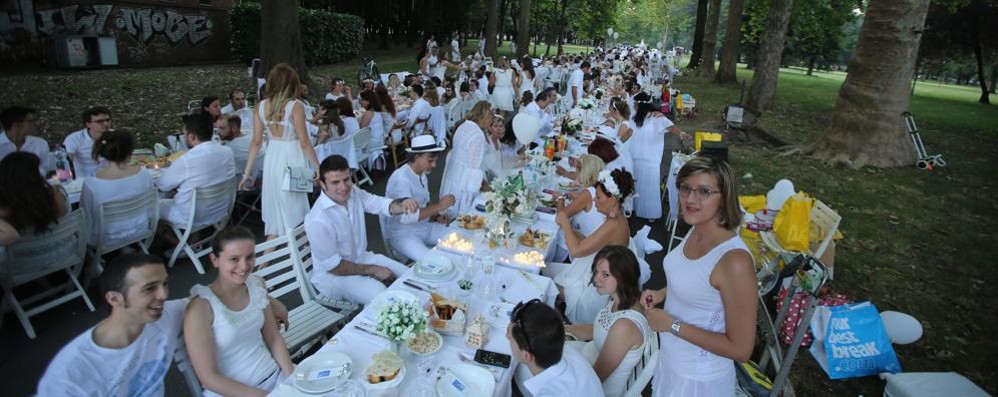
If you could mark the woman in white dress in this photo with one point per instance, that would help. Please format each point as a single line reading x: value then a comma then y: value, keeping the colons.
x: 332, y: 138
x: 650, y: 128
x: 528, y: 77
x: 494, y: 166
x: 372, y: 118
x: 503, y: 95
x: 614, y: 347
x: 579, y: 206
x: 464, y: 172
x: 116, y: 180
x: 282, y: 118
x: 709, y: 317
x: 230, y: 330
x: 580, y: 297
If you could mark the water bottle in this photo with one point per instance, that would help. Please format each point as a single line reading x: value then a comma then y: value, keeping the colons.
x: 62, y: 164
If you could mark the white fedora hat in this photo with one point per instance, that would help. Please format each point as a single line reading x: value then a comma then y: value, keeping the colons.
x: 423, y: 144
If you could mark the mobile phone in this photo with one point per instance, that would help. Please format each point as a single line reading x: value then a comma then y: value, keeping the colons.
x: 492, y: 358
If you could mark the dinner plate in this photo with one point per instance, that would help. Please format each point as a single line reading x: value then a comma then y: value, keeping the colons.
x: 461, y: 380
x: 322, y: 372
x: 389, y: 297
x: 498, y: 314
x: 434, y: 267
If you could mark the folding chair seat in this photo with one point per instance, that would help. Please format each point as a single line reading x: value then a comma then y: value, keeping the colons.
x: 60, y: 249
x: 144, y: 206
x: 221, y: 194
x: 303, y: 253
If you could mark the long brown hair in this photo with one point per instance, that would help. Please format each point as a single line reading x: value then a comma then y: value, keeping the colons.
x: 282, y: 86
x: 386, y: 100
x: 24, y: 194
x: 624, y: 268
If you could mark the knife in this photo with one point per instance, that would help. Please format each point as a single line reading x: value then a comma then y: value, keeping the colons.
x: 411, y: 285
x: 369, y: 332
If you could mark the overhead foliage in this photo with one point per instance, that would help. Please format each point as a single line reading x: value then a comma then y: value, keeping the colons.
x: 326, y: 37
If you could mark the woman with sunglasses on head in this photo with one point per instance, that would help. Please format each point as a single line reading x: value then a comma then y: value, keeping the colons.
x: 709, y: 317
x: 614, y: 346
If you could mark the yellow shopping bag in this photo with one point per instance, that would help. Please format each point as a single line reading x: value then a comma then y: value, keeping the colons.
x: 752, y: 204
x: 793, y: 223
x: 707, y: 136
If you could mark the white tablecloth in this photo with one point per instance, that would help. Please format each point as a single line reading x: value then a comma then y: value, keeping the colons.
x: 513, y: 286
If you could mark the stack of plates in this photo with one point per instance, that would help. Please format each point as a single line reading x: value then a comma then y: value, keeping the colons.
x: 465, y: 380
x: 434, y: 267
x: 322, y: 372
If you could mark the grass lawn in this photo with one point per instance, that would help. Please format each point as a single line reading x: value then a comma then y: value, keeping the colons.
x: 916, y: 242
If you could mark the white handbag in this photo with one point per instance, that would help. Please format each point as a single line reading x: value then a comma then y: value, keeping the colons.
x: 297, y: 179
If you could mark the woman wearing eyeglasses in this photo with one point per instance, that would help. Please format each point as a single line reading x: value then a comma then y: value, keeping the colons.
x: 711, y: 300
x: 619, y: 334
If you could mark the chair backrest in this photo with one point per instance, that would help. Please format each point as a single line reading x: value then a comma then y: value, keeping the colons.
x: 455, y: 108
x: 645, y: 368
x: 64, y: 245
x: 302, y: 251
x: 215, y: 196
x: 438, y: 121
x: 145, y: 205
x: 280, y: 275
x: 827, y: 221
x: 361, y: 138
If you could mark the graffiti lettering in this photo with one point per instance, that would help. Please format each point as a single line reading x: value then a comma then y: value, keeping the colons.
x: 144, y: 24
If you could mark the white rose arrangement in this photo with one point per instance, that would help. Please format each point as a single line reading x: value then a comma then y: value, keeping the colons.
x: 402, y: 320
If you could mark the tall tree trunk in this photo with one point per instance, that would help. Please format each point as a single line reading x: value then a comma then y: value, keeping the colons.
x: 523, y: 30
x: 561, y: 26
x: 810, y: 65
x: 729, y: 58
x: 697, y: 51
x: 281, y: 16
x: 706, y: 68
x: 994, y: 77
x: 767, y: 67
x: 867, y: 128
x: 503, y: 6
x: 975, y: 45
x: 491, y: 25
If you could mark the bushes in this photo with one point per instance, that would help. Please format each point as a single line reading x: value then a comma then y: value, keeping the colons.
x: 326, y: 37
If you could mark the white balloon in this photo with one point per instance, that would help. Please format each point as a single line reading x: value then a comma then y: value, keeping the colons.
x: 609, y: 31
x: 616, y: 35
x: 783, y: 190
x: 525, y: 127
x: 901, y: 328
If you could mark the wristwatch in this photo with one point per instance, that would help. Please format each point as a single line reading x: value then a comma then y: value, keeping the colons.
x: 676, y: 326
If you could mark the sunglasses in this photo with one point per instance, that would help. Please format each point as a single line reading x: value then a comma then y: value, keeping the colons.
x: 517, y: 316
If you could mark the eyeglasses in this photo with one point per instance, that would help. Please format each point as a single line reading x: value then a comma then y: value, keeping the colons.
x: 517, y: 316
x: 700, y: 194
x: 107, y: 120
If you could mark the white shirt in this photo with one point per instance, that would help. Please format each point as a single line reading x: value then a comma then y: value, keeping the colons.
x: 240, y: 152
x: 82, y: 368
x: 483, y: 85
x: 404, y: 183
x: 230, y: 109
x: 80, y: 145
x: 338, y: 233
x: 204, y: 165
x: 572, y: 376
x: 546, y: 119
x: 576, y: 81
x: 97, y: 191
x: 420, y: 110
x: 32, y: 144
x: 332, y: 96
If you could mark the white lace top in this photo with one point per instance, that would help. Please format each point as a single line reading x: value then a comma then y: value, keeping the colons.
x: 615, y: 384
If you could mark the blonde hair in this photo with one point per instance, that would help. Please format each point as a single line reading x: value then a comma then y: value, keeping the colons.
x: 282, y: 86
x: 731, y: 213
x: 589, y: 169
x: 502, y: 63
x: 481, y: 110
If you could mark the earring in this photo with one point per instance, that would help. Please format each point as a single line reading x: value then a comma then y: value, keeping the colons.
x: 720, y: 220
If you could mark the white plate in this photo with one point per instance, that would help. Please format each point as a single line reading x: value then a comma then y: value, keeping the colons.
x: 386, y: 385
x: 465, y: 380
x: 498, y: 314
x: 434, y: 267
x: 389, y: 297
x: 317, y: 374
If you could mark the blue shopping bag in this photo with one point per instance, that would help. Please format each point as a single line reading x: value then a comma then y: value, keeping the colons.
x: 850, y: 341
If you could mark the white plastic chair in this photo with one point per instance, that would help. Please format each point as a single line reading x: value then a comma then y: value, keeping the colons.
x: 643, y: 371
x: 219, y: 194
x: 438, y: 123
x: 455, y: 108
x: 61, y: 248
x: 310, y: 321
x: 144, y: 206
x: 386, y: 239
x: 361, y: 141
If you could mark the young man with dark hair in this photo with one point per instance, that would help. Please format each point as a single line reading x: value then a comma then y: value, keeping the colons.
x: 237, y: 101
x: 206, y: 163
x: 19, y: 125
x: 129, y: 352
x: 538, y: 109
x: 79, y: 145
x: 576, y: 83
x: 536, y: 337
x: 337, y: 233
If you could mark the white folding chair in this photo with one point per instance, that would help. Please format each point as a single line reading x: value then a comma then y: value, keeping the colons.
x: 144, y: 206
x: 643, y: 371
x: 310, y: 321
x: 438, y: 123
x: 36, y: 255
x: 386, y: 239
x: 454, y: 109
x: 361, y: 139
x: 825, y: 219
x: 303, y: 254
x: 221, y: 194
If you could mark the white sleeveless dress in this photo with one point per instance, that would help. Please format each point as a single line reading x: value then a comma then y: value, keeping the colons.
x: 282, y: 211
x: 615, y: 384
x: 685, y: 369
x: 650, y: 137
x: 502, y: 95
x: 240, y: 352
x: 528, y: 84
x: 377, y: 126
x: 582, y: 302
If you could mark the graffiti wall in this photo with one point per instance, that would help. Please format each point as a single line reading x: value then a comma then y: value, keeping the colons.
x: 148, y: 32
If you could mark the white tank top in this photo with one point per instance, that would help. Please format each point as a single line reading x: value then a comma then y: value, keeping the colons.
x: 588, y: 220
x: 691, y: 299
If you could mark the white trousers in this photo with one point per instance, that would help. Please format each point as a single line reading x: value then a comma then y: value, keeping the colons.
x: 358, y: 289
x: 415, y: 243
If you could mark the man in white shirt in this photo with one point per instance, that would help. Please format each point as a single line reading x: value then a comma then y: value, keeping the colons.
x: 338, y: 88
x: 229, y: 130
x: 237, y: 100
x: 413, y: 240
x: 575, y: 83
x: 337, y: 233
x: 129, y: 352
x: 483, y: 82
x: 537, y: 340
x: 19, y: 125
x: 538, y: 109
x: 80, y: 144
x: 207, y: 163
x: 419, y: 113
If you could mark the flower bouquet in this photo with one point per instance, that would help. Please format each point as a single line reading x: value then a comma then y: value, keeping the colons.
x: 401, y: 320
x: 599, y: 93
x: 571, y: 125
x: 510, y: 198
x: 587, y: 103
x: 403, y: 92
